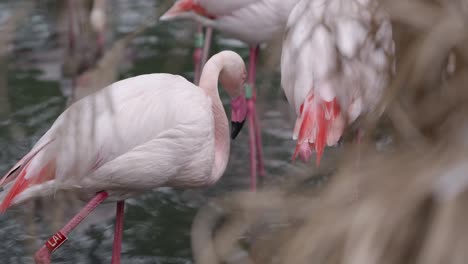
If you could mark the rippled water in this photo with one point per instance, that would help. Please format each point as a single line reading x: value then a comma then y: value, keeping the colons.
x: 33, y: 92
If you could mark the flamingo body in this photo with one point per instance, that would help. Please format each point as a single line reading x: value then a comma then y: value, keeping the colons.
x: 336, y: 60
x: 251, y: 21
x: 137, y: 134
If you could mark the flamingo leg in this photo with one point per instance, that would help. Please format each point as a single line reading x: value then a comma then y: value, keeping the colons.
x: 359, y: 138
x: 100, y: 40
x: 71, y: 26
x: 255, y: 144
x: 43, y: 255
x: 252, y: 148
x: 207, y: 45
x: 198, y: 53
x: 258, y: 136
x: 117, y: 246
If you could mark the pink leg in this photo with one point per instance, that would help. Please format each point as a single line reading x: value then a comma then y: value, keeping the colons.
x: 207, y: 45
x: 253, y: 161
x: 254, y: 129
x: 43, y: 255
x: 117, y: 246
x: 100, y: 44
x: 258, y: 134
x: 198, y: 53
x: 71, y: 28
x: 358, y: 140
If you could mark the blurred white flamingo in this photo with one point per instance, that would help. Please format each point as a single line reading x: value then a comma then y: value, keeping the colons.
x: 252, y: 21
x: 146, y: 140
x: 337, y: 58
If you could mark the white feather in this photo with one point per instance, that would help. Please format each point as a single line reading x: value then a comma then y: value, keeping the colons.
x: 329, y: 47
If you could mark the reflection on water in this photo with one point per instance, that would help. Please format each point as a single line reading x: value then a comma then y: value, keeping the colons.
x: 33, y: 92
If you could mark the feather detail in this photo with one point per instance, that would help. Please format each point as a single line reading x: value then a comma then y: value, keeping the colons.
x: 23, y: 178
x: 319, y: 124
x: 15, y: 171
x: 197, y: 8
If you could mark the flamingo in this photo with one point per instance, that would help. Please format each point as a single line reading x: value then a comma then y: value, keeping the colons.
x: 161, y: 131
x: 252, y: 21
x: 336, y: 59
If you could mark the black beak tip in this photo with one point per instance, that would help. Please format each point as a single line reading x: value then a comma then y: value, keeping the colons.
x: 236, y: 128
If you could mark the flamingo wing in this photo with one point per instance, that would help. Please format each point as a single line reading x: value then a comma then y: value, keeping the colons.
x: 257, y: 22
x: 219, y: 8
x: 181, y: 156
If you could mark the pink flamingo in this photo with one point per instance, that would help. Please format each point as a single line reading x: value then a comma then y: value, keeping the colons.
x: 337, y: 58
x: 160, y: 131
x: 252, y: 21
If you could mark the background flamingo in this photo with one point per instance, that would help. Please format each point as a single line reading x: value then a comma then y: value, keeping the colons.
x: 143, y: 142
x: 106, y: 70
x: 252, y: 21
x: 336, y: 60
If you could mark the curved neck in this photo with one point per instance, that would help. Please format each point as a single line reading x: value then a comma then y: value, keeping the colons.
x: 209, y: 83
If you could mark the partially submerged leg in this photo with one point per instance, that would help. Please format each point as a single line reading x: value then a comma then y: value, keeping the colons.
x: 43, y: 255
x: 117, y: 246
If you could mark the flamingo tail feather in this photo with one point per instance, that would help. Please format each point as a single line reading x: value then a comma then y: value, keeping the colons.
x: 23, y: 177
x: 316, y: 127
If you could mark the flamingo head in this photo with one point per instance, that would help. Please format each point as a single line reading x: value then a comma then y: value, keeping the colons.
x: 182, y: 8
x: 238, y: 114
x: 232, y: 78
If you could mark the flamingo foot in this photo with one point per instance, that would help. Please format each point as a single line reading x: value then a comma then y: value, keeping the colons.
x: 43, y: 255
x: 117, y: 246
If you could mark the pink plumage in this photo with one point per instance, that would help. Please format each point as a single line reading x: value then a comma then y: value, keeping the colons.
x: 252, y: 21
x: 137, y: 134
